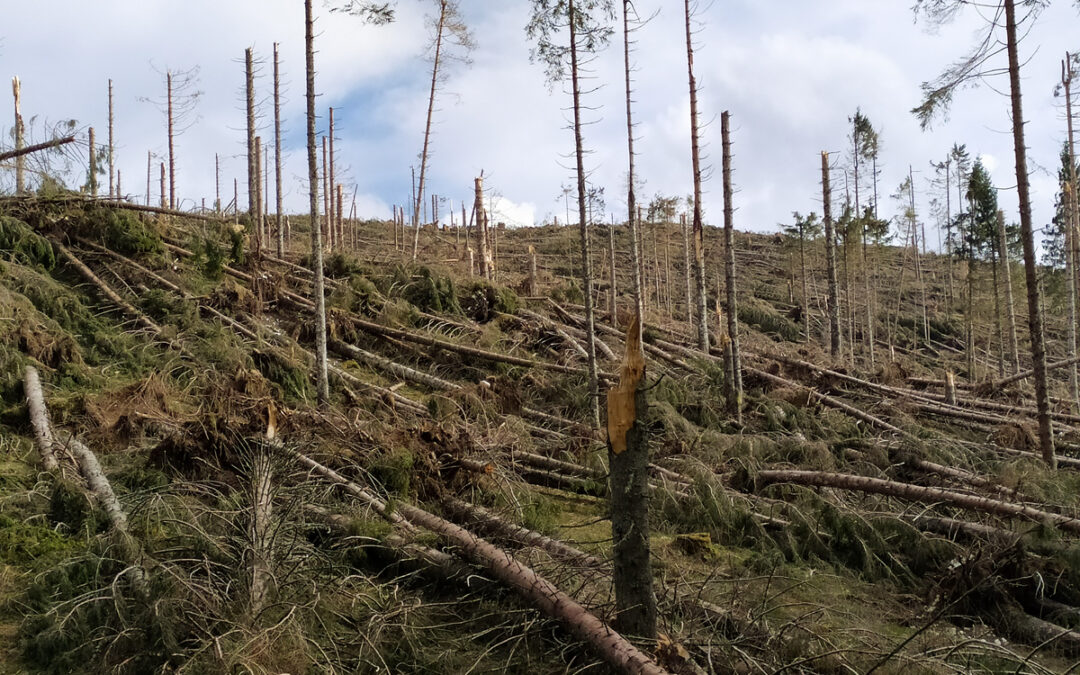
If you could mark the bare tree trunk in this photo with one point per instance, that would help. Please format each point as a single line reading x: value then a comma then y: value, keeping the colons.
x: 613, y: 291
x: 735, y: 402
x: 1035, y: 318
x: 148, y: 177
x: 427, y: 125
x: 172, y: 154
x: 260, y: 232
x: 331, y: 195
x: 1003, y: 247
x: 260, y: 530
x: 277, y: 156
x: 91, y: 170
x: 338, y: 217
x: 217, y: 185
x: 830, y: 258
x: 249, y: 90
x: 481, y: 227
x: 164, y: 190
x: 586, y: 259
x: 805, y: 288
x: 39, y: 419
x: 1071, y: 231
x: 996, y: 260
x: 628, y: 458
x: 698, y: 226
x: 20, y: 161
x: 326, y: 231
x: 113, y: 192
x: 313, y: 204
x: 687, y: 269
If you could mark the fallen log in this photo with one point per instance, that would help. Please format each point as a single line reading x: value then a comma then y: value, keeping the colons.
x: 611, y: 646
x: 488, y: 522
x: 891, y: 488
x: 39, y: 419
x: 37, y: 147
x: 108, y: 292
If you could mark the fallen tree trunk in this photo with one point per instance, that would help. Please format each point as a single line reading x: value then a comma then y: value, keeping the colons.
x: 890, y: 488
x: 39, y: 419
x: 611, y: 646
x: 108, y: 292
x: 495, y: 525
x: 37, y: 147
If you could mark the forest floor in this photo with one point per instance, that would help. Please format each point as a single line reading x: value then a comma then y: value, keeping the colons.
x: 853, y: 522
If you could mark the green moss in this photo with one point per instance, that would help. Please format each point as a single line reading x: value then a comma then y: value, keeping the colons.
x: 27, y: 545
x: 23, y: 245
x: 393, y: 472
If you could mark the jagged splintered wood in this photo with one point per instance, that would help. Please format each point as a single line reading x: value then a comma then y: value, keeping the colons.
x: 322, y: 376
x: 481, y: 226
x: 628, y: 458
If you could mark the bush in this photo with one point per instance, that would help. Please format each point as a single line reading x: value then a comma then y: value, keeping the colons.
x: 25, y: 246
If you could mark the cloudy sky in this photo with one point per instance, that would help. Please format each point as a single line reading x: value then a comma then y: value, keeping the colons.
x: 791, y: 72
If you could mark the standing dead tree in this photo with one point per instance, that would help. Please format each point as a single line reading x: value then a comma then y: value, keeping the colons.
x: 450, y: 32
x: 734, y: 358
x: 586, y: 21
x: 937, y: 96
x: 249, y: 100
x: 830, y: 258
x: 279, y: 223
x: 113, y: 187
x: 323, y: 382
x: 179, y: 106
x: 20, y: 130
x: 698, y: 227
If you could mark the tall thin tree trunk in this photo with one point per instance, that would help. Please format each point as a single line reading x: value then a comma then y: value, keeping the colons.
x: 830, y: 258
x: 586, y: 259
x: 427, y: 125
x: 613, y: 291
x: 698, y: 226
x: 20, y: 141
x: 481, y: 227
x: 326, y: 197
x: 729, y: 271
x: 249, y: 91
x: 260, y: 233
x: 1003, y: 248
x: 805, y: 289
x: 217, y: 185
x: 687, y: 270
x: 948, y: 242
x: 112, y: 146
x: 1072, y: 261
x: 172, y: 153
x: 148, y: 176
x: 1031, y: 272
x: 313, y: 205
x: 997, y: 259
x: 331, y: 195
x: 277, y: 157
x: 631, y: 197
x: 91, y: 172
x: 164, y: 189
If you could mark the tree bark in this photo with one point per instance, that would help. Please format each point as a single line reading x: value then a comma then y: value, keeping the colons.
x: 891, y: 488
x: 586, y: 258
x: 481, y: 227
x: 1035, y: 317
x: 39, y: 419
x: 91, y: 170
x: 280, y: 224
x: 1003, y: 246
x: 37, y: 147
x: 830, y: 258
x: 260, y: 530
x: 628, y: 458
x: 735, y: 402
x: 698, y: 226
x: 631, y: 197
x: 323, y: 382
x: 172, y: 155
x: 427, y: 126
x: 20, y: 163
x: 113, y: 192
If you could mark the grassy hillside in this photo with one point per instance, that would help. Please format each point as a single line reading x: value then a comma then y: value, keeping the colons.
x: 449, y: 391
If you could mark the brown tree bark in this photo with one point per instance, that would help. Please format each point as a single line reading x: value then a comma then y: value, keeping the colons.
x: 1035, y: 317
x: 427, y: 125
x: 172, y: 147
x: 631, y: 197
x: 628, y: 459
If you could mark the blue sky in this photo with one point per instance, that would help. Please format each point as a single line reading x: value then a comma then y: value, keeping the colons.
x: 790, y: 72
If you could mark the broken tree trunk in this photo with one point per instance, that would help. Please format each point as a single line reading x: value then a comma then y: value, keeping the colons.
x: 260, y: 530
x: 628, y: 458
x: 20, y: 163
